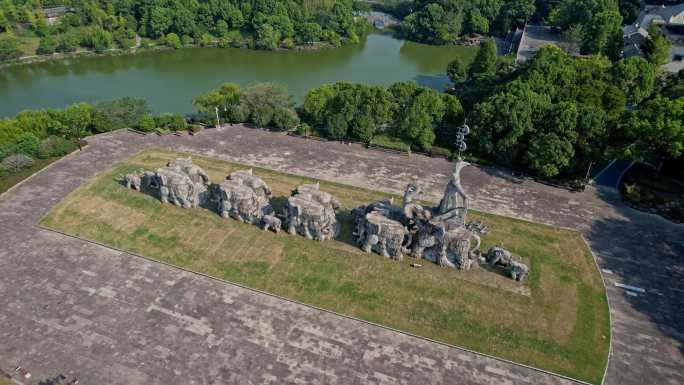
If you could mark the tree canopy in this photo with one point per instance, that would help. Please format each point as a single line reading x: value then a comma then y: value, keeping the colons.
x: 264, y: 24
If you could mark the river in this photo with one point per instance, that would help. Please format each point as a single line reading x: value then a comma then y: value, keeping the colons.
x: 169, y: 79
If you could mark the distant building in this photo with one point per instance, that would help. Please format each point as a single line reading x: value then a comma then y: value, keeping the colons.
x: 635, y: 37
x: 670, y: 20
x: 53, y: 14
x: 534, y: 37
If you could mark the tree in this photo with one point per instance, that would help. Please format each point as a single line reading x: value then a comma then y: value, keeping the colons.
x: 656, y: 131
x: 262, y: 115
x: 336, y: 126
x: 636, y: 77
x: 657, y: 48
x: 69, y: 41
x: 173, y: 122
x: 310, y: 33
x: 285, y: 118
x: 476, y: 23
x: 456, y: 71
x: 435, y: 23
x: 4, y: 23
x: 9, y: 48
x: 267, y: 37
x: 222, y: 98
x: 119, y: 113
x: 416, y: 124
x: 124, y: 38
x: 48, y: 45
x: 515, y: 13
x: 629, y: 9
x: 16, y: 162
x: 172, y: 40
x: 146, y: 124
x: 484, y: 63
x: 160, y: 21
x: 552, y: 147
x: 603, y: 34
x: 78, y: 117
x: 27, y: 144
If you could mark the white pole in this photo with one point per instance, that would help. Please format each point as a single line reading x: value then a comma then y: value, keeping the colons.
x: 218, y: 122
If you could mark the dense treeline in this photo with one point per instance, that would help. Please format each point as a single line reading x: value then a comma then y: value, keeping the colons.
x: 409, y: 113
x: 53, y: 132
x: 594, y: 26
x: 444, y: 21
x: 415, y: 115
x: 556, y: 114
x: 263, y: 104
x: 101, y: 25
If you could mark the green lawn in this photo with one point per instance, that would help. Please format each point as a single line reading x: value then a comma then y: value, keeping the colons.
x: 556, y: 320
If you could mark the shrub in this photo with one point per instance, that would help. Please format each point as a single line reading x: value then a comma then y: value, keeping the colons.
x: 195, y: 128
x: 9, y: 48
x: 187, y: 40
x: 54, y: 146
x: 440, y: 151
x: 15, y: 163
x: 118, y: 113
x: 303, y: 129
x: 390, y: 142
x: 48, y: 45
x: 238, y: 113
x: 146, y: 124
x: 124, y: 38
x: 285, y: 118
x: 173, y: 122
x: 206, y: 40
x: 172, y: 40
x: 262, y: 115
x: 288, y: 43
x: 69, y: 41
x: 27, y: 144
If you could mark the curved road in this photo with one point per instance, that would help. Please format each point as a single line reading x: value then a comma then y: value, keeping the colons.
x: 74, y: 308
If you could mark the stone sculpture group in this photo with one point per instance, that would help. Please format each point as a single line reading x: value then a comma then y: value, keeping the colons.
x: 242, y: 196
x: 440, y: 234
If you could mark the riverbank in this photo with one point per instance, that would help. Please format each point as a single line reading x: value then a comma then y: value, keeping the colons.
x: 136, y: 50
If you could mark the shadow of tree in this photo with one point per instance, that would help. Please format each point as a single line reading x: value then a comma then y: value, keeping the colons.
x: 645, y: 251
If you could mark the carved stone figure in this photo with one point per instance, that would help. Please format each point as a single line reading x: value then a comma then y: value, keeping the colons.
x: 311, y: 213
x: 271, y: 222
x: 450, y: 246
x: 414, y: 211
x: 376, y: 231
x: 180, y: 183
x: 518, y: 270
x: 132, y: 180
x: 497, y: 255
x: 244, y: 197
x: 195, y: 173
x: 454, y: 191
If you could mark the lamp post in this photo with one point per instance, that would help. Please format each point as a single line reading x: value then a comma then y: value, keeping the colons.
x: 460, y: 138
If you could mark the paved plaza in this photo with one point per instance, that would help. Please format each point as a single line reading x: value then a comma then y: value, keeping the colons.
x: 75, y: 308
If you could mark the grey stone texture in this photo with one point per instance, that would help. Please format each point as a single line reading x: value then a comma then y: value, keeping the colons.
x: 180, y: 183
x: 73, y: 307
x: 312, y: 213
x: 244, y: 196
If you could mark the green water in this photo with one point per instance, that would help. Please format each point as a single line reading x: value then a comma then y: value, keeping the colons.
x: 170, y: 79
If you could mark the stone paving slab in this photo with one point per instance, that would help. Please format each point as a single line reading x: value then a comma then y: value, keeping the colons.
x: 76, y: 308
